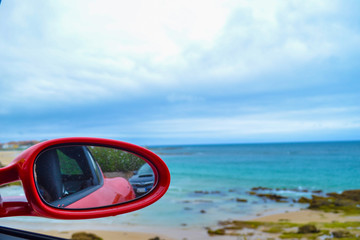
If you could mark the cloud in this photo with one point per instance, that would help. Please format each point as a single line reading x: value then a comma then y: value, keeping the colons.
x: 130, y: 48
x: 263, y: 37
x: 207, y: 67
x: 278, y: 126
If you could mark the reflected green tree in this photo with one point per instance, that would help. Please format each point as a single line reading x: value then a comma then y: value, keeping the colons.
x: 115, y: 160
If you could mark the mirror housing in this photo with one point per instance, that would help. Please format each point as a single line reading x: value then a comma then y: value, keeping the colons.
x: 22, y: 168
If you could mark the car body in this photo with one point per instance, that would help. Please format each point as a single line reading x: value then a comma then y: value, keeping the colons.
x: 143, y: 180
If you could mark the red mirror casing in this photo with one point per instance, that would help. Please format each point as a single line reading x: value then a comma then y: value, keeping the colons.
x: 22, y: 168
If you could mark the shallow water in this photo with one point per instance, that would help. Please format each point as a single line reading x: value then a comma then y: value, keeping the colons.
x: 228, y: 172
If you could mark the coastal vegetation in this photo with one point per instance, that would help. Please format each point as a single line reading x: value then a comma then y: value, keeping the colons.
x: 114, y: 160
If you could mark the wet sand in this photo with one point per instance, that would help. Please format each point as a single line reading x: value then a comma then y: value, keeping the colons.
x: 306, y: 216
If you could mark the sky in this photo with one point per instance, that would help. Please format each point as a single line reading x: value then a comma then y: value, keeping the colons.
x: 180, y: 72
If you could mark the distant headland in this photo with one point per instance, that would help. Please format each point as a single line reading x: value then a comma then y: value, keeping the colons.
x: 14, y: 145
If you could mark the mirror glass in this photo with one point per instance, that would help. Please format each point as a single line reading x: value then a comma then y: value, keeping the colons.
x: 76, y: 177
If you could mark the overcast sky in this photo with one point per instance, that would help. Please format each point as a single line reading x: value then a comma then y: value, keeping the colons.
x: 180, y: 72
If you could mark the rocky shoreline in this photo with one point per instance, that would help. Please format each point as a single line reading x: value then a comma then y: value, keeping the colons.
x: 329, y: 216
x: 288, y: 230
x: 347, y: 202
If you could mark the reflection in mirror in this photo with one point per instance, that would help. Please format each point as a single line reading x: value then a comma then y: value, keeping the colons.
x: 76, y: 177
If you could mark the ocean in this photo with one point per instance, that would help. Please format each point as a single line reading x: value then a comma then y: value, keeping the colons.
x: 211, y: 183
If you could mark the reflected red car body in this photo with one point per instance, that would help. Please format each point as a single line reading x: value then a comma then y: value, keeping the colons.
x: 114, y: 191
x: 70, y: 177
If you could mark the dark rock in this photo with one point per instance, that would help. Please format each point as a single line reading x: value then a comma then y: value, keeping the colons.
x: 207, y: 192
x: 154, y: 238
x: 317, y: 202
x: 347, y: 202
x: 202, y: 211
x: 308, y: 228
x: 317, y: 191
x: 332, y: 194
x: 342, y: 234
x: 299, y: 190
x: 201, y: 192
x: 275, y: 197
x: 223, y: 223
x: 85, y: 236
x: 251, y: 193
x: 304, y: 200
x: 353, y: 195
x: 220, y: 231
x: 260, y: 189
x: 241, y: 200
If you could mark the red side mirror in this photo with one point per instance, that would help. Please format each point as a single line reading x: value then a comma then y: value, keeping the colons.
x: 79, y: 178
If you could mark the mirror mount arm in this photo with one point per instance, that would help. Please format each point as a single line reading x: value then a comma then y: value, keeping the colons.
x: 9, y: 174
x: 12, y: 206
x: 15, y: 206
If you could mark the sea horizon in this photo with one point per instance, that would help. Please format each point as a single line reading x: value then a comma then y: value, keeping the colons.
x: 251, y: 143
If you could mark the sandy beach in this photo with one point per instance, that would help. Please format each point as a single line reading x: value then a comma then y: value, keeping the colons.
x: 7, y: 156
x: 112, y: 235
x: 132, y: 232
x: 139, y: 232
x: 107, y: 235
x: 115, y: 231
x: 306, y: 216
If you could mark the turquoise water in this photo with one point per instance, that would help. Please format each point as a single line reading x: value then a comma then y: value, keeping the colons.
x: 328, y: 166
x: 207, y: 180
